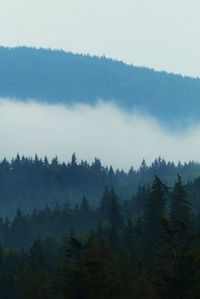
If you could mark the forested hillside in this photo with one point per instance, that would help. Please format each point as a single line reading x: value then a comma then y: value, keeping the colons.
x: 59, y: 77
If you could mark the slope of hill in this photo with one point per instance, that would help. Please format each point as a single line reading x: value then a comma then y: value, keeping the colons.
x: 60, y: 77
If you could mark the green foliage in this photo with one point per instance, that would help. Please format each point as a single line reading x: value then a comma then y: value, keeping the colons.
x: 156, y: 255
x: 34, y: 280
x: 181, y: 214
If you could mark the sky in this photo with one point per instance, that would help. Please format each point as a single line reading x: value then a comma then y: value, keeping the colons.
x: 121, y: 140
x: 156, y: 33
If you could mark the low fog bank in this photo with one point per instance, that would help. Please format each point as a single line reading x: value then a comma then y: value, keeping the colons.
x: 103, y: 131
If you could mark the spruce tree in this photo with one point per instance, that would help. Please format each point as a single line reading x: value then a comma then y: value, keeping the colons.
x: 153, y: 229
x: 116, y: 218
x: 180, y: 214
x: 105, y: 205
x: 155, y: 211
x: 116, y: 221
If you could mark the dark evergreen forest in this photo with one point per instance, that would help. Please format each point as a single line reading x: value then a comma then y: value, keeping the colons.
x: 146, y: 247
x: 59, y: 77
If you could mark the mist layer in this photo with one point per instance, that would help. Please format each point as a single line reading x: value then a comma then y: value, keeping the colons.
x: 102, y: 131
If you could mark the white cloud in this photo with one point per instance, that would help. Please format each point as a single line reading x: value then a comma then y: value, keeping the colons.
x: 103, y: 131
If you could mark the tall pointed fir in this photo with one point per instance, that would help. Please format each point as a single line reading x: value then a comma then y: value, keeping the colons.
x: 155, y: 211
x: 181, y: 218
x: 116, y: 221
x: 116, y: 218
x: 105, y: 205
x: 154, y: 235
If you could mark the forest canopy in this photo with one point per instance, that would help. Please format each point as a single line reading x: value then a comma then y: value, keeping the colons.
x: 36, y: 182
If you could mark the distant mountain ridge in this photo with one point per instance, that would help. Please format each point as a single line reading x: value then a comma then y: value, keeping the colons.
x: 55, y: 76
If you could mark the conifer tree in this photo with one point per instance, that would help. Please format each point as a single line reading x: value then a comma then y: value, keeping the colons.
x: 105, y: 205
x: 180, y: 214
x: 155, y: 211
x: 116, y: 218
x: 35, y: 279
x: 153, y: 229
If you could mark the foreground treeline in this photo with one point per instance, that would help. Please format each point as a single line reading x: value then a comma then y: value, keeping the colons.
x: 33, y: 182
x: 156, y: 255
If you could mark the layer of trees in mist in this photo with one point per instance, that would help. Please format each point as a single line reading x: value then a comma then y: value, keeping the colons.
x: 78, y: 230
x: 154, y: 255
x: 29, y: 183
x: 59, y: 221
x: 59, y: 77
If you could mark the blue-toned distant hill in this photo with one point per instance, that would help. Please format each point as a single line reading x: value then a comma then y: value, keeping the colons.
x: 57, y: 76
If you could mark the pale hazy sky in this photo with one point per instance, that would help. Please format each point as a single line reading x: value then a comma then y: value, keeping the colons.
x: 164, y: 34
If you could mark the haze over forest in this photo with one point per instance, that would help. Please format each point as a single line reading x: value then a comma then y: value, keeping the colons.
x: 100, y: 149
